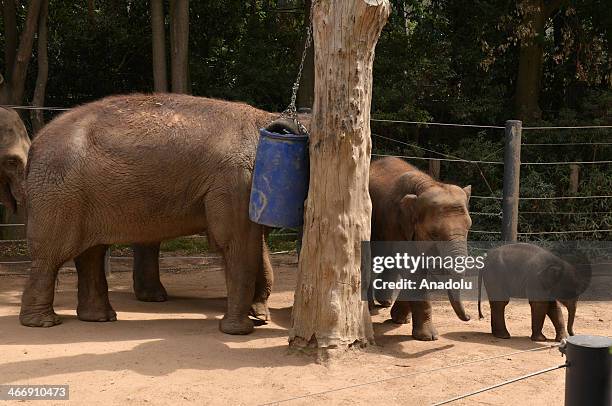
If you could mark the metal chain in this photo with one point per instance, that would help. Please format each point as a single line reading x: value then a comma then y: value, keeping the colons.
x: 291, y: 111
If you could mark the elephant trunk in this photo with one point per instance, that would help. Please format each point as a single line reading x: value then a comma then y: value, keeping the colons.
x: 456, y: 249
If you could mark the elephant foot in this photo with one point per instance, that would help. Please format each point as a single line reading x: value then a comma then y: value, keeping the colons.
x: 427, y: 332
x: 153, y: 294
x: 260, y: 311
x: 501, y: 334
x: 236, y: 326
x: 97, y: 315
x: 561, y: 336
x: 538, y: 337
x: 42, y: 319
x: 400, y: 314
x: 385, y: 302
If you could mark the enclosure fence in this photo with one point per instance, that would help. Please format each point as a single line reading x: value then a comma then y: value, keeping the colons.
x: 509, y: 200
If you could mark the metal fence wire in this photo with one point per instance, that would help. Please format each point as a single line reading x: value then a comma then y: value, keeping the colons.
x: 445, y: 157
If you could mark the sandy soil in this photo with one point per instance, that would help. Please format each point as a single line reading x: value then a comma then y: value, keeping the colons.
x: 165, y: 353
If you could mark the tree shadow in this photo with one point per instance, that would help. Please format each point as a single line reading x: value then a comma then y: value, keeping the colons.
x: 281, y: 316
x: 479, y: 337
x: 392, y: 343
x: 157, y: 358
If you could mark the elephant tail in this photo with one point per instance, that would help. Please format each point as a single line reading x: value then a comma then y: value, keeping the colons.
x: 480, y: 316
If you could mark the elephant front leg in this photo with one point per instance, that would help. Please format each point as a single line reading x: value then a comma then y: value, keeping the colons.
x: 37, y: 299
x: 92, y: 287
x: 538, y: 314
x: 147, y: 285
x: 242, y: 261
x: 400, y: 312
x: 556, y: 316
x: 422, y: 323
x: 498, y: 319
x: 263, y: 287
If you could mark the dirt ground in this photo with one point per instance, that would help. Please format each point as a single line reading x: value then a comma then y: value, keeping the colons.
x: 173, y: 352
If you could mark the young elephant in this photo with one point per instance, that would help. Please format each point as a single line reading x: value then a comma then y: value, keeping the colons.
x: 409, y: 205
x: 528, y: 271
x: 141, y: 169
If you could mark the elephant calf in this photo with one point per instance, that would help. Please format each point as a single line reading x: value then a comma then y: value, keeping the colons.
x: 409, y: 205
x: 531, y: 272
x: 142, y: 169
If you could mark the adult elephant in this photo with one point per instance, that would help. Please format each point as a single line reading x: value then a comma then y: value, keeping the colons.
x: 14, y: 147
x: 409, y: 205
x: 142, y: 169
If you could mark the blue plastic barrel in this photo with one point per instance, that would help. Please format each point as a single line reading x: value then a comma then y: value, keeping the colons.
x: 280, y: 180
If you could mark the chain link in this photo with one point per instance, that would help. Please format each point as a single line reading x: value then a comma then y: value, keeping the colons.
x: 291, y: 111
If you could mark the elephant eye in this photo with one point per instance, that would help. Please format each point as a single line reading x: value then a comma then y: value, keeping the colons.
x: 11, y: 162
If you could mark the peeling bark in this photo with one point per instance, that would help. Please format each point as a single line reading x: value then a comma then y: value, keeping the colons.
x: 328, y: 311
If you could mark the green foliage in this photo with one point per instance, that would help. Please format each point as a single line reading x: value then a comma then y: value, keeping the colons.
x: 450, y: 61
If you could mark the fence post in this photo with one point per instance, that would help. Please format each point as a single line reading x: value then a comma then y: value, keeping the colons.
x: 434, y: 169
x: 512, y: 173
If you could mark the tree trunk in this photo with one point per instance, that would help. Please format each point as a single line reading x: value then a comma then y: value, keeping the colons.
x: 328, y: 311
x: 434, y: 169
x: 574, y: 180
x: 179, y: 45
x: 43, y: 69
x: 24, y: 53
x: 305, y: 95
x: 535, y: 14
x: 531, y: 55
x: 158, y: 28
x: 90, y: 12
x: 9, y: 15
x: 9, y: 18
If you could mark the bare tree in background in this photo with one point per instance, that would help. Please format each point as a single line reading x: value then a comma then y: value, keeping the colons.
x: 158, y: 29
x: 43, y: 68
x: 179, y: 45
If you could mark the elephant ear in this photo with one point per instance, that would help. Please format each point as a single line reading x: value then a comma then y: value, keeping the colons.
x: 550, y: 276
x: 468, y: 191
x: 408, y: 215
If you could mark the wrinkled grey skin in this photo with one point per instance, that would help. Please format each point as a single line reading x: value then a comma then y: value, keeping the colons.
x: 14, y: 147
x: 409, y: 205
x: 142, y: 169
x: 147, y: 284
x: 528, y: 271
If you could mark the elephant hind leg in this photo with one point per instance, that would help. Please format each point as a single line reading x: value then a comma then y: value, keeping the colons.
x: 92, y: 287
x: 37, y: 299
x: 263, y: 286
x: 498, y: 319
x: 147, y: 285
x: 538, y: 314
x: 556, y: 316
